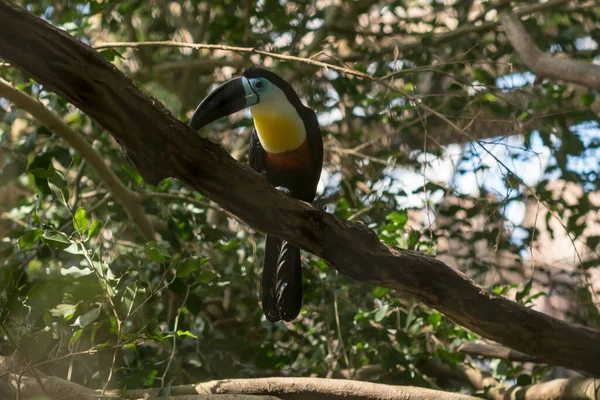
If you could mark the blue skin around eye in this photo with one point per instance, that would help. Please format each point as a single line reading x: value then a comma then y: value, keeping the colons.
x: 259, y: 84
x: 252, y: 90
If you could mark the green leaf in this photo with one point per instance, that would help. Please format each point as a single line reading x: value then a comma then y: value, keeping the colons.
x: 75, y: 338
x: 110, y: 54
x: 206, y: 277
x: 80, y: 220
x: 525, y: 292
x: 435, y: 319
x: 380, y: 292
x: 75, y: 272
x: 43, y: 173
x: 397, y: 217
x: 381, y: 313
x: 74, y: 248
x: 84, y: 320
x: 587, y: 99
x: 156, y: 252
x: 30, y: 238
x: 94, y: 229
x: 103, y: 270
x: 186, y: 333
x: 490, y: 97
x: 59, y: 188
x: 56, y: 239
x: 189, y: 265
x: 523, y: 116
x: 64, y: 310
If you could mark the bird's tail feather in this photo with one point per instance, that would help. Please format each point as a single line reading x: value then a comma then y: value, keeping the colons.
x: 281, y: 289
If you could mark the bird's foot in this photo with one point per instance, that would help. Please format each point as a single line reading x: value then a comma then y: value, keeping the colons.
x: 322, y: 206
x: 284, y: 190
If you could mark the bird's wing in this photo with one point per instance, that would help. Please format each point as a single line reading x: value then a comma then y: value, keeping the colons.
x: 315, y: 142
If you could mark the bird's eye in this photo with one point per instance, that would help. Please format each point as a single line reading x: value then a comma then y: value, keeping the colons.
x: 259, y: 84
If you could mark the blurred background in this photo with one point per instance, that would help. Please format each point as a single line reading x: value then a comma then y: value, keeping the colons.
x: 510, y: 198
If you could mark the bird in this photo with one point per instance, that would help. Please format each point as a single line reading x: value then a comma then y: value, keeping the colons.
x: 286, y: 146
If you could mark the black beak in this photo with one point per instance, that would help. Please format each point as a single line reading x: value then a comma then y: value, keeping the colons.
x: 232, y: 96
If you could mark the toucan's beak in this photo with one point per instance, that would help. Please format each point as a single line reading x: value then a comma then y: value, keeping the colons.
x: 232, y: 96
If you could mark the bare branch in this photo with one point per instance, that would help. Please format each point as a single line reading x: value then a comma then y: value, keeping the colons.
x: 178, y: 198
x: 202, y: 65
x: 236, y: 49
x: 161, y: 146
x: 546, y: 66
x: 25, y: 386
x: 128, y: 198
x: 313, y: 388
x: 495, y: 351
x: 572, y: 389
x: 479, y: 380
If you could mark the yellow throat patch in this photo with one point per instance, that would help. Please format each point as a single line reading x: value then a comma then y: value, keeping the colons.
x: 279, y: 132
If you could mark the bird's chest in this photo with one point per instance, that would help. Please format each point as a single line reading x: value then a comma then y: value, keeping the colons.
x: 280, y: 129
x: 298, y: 159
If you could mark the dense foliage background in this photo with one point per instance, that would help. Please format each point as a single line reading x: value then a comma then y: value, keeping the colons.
x: 511, y: 200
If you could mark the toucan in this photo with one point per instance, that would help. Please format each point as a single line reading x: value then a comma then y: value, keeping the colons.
x: 287, y: 148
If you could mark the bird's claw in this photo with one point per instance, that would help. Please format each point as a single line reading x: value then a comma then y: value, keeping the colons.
x: 284, y: 190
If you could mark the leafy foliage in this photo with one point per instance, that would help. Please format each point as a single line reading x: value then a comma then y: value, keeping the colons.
x: 79, y: 284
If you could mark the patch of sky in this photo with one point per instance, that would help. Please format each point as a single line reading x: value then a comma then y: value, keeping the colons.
x: 330, y: 74
x: 396, y: 65
x: 359, y: 112
x: 586, y: 43
x: 314, y: 23
x: 281, y: 40
x: 512, y: 81
x: 84, y: 9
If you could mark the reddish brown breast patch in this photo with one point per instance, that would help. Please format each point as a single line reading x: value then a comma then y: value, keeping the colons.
x: 294, y: 159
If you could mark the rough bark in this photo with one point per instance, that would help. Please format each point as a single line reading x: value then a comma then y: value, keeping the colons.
x: 161, y: 146
x: 308, y: 388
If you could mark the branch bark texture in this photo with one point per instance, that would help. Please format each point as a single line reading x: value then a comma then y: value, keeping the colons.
x: 307, y: 388
x: 546, y: 66
x: 161, y: 146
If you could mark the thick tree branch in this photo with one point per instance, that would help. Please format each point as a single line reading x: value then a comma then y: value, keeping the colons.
x: 303, y: 388
x: 128, y: 198
x: 546, y: 66
x: 13, y: 386
x: 161, y: 146
x: 571, y: 389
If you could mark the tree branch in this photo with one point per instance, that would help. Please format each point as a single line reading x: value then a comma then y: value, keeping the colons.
x: 161, y: 146
x: 546, y: 66
x: 496, y: 351
x: 302, y: 388
x: 128, y: 198
x: 479, y: 380
x: 236, y: 49
x: 571, y: 389
x: 28, y: 387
